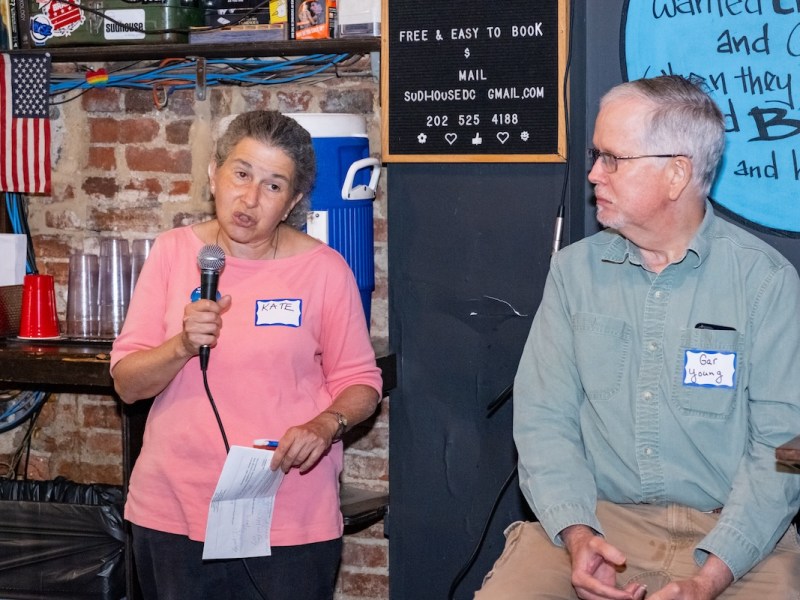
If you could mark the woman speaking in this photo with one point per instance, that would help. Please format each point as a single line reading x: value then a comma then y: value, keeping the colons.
x: 291, y: 360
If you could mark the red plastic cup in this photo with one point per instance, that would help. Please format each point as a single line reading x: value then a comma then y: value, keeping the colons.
x: 39, y: 319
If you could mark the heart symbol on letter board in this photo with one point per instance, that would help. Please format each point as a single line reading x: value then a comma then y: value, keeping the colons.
x: 502, y: 136
x: 450, y: 137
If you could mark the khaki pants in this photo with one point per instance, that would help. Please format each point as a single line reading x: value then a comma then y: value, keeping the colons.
x: 658, y: 542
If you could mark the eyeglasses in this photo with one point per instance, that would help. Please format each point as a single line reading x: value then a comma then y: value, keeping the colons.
x: 609, y: 161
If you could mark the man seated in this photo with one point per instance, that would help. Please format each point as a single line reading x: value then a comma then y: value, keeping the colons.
x: 661, y: 372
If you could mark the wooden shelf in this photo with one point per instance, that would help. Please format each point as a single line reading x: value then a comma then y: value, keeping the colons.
x: 132, y: 52
x: 56, y: 365
x: 67, y: 364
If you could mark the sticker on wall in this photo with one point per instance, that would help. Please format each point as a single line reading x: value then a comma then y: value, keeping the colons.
x: 748, y: 54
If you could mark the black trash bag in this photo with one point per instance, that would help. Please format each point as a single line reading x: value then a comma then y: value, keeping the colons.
x: 61, y: 540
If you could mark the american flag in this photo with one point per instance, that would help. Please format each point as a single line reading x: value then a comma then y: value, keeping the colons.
x: 25, y: 123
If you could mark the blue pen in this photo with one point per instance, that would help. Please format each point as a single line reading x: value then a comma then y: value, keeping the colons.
x: 265, y: 444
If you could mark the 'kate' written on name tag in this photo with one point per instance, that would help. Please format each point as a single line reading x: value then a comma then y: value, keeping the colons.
x: 709, y: 369
x: 283, y: 311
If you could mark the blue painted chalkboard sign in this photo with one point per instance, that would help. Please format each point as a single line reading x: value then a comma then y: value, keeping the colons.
x: 748, y: 53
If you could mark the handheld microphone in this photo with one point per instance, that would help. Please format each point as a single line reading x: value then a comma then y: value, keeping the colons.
x: 211, y: 260
x: 558, y: 230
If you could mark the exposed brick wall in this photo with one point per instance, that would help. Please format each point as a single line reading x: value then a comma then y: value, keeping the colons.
x: 123, y: 167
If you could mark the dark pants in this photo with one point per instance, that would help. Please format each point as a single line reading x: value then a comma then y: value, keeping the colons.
x: 170, y: 567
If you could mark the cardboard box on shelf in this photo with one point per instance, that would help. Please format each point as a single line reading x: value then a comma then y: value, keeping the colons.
x: 315, y: 19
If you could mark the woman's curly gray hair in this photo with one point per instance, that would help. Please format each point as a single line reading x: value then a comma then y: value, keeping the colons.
x: 278, y: 131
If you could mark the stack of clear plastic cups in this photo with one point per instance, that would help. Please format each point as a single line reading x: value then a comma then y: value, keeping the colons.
x: 114, y: 287
x: 139, y: 254
x: 82, y: 299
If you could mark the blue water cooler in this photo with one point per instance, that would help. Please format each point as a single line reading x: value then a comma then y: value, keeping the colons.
x: 341, y: 201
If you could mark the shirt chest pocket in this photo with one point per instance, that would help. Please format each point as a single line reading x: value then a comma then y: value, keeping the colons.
x: 708, y: 373
x: 602, y: 351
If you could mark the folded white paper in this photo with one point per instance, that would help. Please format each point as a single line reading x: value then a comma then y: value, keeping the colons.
x: 13, y: 253
x: 240, y: 515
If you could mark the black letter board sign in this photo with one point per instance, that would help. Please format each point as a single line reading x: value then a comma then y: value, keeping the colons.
x: 473, y: 80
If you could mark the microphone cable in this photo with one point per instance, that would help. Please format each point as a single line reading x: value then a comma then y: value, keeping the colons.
x: 256, y: 587
x: 471, y: 560
x: 211, y: 261
x: 216, y: 412
x: 492, y: 408
x: 558, y: 228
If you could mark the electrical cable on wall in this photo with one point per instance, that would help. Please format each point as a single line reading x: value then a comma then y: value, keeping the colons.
x: 17, y: 211
x: 24, y: 406
x: 559, y: 224
x: 176, y: 74
x: 18, y: 406
x: 182, y: 73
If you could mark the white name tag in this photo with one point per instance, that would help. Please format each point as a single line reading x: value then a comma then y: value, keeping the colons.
x: 709, y: 369
x: 284, y: 311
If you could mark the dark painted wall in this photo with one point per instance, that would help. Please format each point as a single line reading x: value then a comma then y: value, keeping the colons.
x: 469, y: 248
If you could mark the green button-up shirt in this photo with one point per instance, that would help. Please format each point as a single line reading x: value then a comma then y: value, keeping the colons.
x: 620, y: 394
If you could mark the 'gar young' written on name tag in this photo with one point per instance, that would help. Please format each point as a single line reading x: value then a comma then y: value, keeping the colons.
x: 709, y: 369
